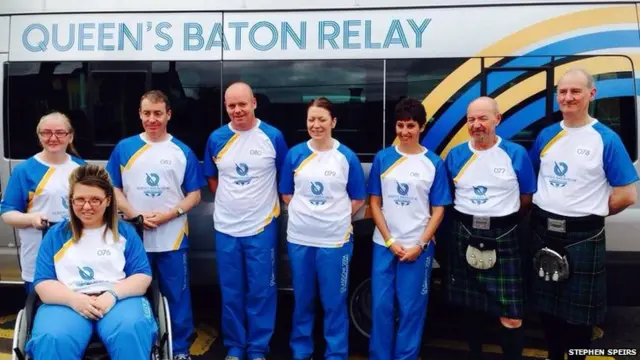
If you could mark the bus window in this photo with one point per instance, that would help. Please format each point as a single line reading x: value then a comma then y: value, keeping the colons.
x: 445, y: 85
x: 614, y: 103
x: 34, y: 89
x: 283, y: 89
x: 193, y: 89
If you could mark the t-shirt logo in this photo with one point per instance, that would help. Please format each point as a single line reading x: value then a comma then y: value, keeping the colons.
x: 317, y: 189
x: 86, y: 273
x: 65, y: 203
x: 153, y: 180
x: 560, y: 170
x: 242, y: 170
x: 403, y: 190
x: 480, y: 192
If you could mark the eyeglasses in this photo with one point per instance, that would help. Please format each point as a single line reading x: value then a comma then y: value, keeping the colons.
x: 47, y: 134
x: 93, y: 202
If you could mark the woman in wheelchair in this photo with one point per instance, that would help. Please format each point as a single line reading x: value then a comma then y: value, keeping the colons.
x: 92, y: 274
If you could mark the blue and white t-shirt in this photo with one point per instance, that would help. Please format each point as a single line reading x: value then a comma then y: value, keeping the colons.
x: 409, y: 185
x: 246, y: 164
x: 95, y: 262
x: 577, y: 168
x: 38, y: 187
x: 322, y: 183
x: 490, y: 182
x: 155, y: 176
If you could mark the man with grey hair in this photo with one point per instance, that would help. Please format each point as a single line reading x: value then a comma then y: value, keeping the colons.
x: 493, y: 182
x: 584, y: 174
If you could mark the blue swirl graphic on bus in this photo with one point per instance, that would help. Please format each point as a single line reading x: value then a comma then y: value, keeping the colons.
x: 86, y: 273
x: 480, y: 192
x: 242, y: 170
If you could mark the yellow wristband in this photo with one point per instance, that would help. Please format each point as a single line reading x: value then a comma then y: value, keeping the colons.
x: 389, y: 242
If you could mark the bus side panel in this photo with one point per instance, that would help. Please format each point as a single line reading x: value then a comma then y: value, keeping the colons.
x: 9, y: 265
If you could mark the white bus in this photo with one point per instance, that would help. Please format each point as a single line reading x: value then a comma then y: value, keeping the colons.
x: 94, y: 59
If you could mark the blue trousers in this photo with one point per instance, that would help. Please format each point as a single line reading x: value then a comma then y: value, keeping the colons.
x: 173, y: 276
x: 330, y: 268
x: 407, y: 285
x: 247, y: 274
x: 128, y: 331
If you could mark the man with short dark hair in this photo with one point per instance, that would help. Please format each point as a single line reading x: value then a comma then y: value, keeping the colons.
x: 157, y: 176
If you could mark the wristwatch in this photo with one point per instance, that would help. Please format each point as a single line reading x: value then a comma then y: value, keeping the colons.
x: 180, y: 211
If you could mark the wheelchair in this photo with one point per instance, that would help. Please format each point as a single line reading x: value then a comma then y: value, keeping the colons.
x: 161, y: 350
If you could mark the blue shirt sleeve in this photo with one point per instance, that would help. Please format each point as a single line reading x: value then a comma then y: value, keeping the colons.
x: 16, y: 195
x: 374, y: 187
x: 210, y: 169
x: 113, y: 166
x: 524, y: 170
x: 534, y: 155
x: 440, y: 192
x: 285, y: 186
x: 193, y: 177
x: 356, y: 187
x: 618, y: 167
x: 45, y: 267
x: 135, y: 257
x: 281, y: 151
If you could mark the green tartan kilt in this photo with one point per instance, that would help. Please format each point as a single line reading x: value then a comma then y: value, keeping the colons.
x: 582, y: 298
x: 497, y: 291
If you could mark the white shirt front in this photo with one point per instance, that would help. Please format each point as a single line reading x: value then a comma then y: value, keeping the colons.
x: 95, y: 262
x: 408, y: 185
x: 154, y: 176
x: 246, y: 164
x: 490, y: 182
x: 322, y: 183
x: 578, y: 167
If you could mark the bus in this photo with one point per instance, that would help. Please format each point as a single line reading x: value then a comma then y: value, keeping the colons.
x: 94, y: 59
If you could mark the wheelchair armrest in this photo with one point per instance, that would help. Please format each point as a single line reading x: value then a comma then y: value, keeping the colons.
x: 138, y: 223
x: 30, y: 308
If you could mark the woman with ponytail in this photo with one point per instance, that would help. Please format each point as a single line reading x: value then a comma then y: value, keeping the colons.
x: 38, y: 188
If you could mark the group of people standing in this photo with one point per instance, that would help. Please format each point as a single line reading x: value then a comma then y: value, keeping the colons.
x: 576, y: 173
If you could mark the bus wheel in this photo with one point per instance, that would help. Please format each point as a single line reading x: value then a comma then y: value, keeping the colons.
x: 360, y: 308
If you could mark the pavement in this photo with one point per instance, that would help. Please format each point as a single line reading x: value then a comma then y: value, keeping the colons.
x: 442, y: 339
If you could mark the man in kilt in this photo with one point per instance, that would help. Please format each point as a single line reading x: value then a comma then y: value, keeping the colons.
x: 584, y: 175
x: 493, y: 182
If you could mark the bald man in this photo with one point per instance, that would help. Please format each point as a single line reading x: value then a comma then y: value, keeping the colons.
x: 493, y: 183
x: 242, y: 161
x: 584, y: 175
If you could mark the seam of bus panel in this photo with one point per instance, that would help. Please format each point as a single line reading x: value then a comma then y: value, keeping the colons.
x: 384, y: 103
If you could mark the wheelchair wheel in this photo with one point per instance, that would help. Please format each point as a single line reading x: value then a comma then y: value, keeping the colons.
x: 19, y: 337
x: 164, y: 326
